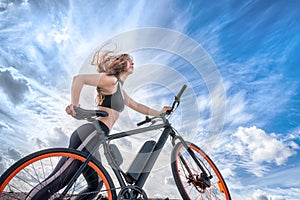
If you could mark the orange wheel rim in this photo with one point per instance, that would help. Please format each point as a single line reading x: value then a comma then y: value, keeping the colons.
x: 62, y: 154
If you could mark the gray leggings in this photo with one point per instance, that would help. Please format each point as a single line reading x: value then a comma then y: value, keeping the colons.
x: 83, y: 139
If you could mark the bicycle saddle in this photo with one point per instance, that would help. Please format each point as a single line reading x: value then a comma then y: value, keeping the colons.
x: 87, y: 114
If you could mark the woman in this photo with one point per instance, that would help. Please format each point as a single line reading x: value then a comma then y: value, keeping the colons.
x: 113, y: 71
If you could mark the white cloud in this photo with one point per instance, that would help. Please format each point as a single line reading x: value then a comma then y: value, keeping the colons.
x: 276, y: 194
x: 262, y: 195
x: 261, y: 147
x: 251, y: 193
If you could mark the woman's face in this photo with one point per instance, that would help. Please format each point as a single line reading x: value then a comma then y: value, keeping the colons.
x: 129, y: 64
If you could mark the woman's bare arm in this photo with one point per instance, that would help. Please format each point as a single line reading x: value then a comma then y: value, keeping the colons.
x: 97, y: 80
x: 79, y: 81
x: 141, y: 108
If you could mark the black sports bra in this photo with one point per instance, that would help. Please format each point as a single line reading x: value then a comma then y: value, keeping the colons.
x: 114, y: 101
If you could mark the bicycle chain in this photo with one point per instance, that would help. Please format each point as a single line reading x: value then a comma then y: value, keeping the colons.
x: 132, y: 192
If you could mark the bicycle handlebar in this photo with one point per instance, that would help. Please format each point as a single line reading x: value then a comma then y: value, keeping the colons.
x: 178, y: 96
x: 176, y: 101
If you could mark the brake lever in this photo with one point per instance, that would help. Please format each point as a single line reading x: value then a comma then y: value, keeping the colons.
x: 169, y: 112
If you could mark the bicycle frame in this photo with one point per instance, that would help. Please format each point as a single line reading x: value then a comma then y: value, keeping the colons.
x: 104, y: 140
x: 168, y: 131
x: 120, y: 175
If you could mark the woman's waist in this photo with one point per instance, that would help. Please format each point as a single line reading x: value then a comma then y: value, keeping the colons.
x: 112, y: 117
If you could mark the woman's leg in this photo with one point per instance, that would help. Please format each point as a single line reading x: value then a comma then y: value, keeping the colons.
x: 93, y: 180
x: 94, y: 185
x: 83, y: 139
x: 60, y: 177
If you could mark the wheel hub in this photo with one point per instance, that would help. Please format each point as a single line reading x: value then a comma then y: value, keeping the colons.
x: 201, y: 181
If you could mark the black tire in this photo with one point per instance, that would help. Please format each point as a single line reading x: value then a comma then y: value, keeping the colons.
x: 191, y: 187
x: 20, y: 178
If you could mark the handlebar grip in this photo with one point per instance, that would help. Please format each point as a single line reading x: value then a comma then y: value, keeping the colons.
x: 178, y: 96
x: 141, y: 123
x: 148, y: 119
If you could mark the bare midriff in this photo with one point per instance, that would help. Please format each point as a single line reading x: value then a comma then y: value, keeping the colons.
x: 113, y: 116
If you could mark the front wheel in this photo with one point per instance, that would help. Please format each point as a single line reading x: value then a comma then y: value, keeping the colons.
x: 190, y: 179
x: 33, y: 171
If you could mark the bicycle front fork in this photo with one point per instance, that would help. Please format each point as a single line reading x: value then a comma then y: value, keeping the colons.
x: 201, y: 180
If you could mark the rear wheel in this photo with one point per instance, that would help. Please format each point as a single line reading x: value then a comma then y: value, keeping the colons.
x: 30, y: 172
x: 189, y: 178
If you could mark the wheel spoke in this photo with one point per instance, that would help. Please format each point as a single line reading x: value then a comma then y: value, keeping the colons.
x: 191, y: 181
x: 31, y: 172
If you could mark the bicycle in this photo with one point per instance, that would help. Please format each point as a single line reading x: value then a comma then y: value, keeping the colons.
x: 195, y: 174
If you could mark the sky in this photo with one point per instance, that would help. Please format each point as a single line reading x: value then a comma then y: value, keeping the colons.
x: 239, y: 59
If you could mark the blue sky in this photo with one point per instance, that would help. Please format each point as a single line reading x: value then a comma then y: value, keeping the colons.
x: 251, y: 45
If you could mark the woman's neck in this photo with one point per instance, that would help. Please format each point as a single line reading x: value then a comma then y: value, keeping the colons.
x: 123, y: 76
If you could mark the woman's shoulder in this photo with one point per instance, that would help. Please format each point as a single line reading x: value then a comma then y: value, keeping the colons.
x: 108, y: 79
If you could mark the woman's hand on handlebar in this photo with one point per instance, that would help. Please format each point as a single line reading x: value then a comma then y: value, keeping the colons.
x: 70, y: 110
x: 166, y: 110
x: 158, y: 114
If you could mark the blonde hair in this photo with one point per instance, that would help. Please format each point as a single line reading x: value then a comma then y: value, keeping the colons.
x: 101, y: 60
x: 110, y: 63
